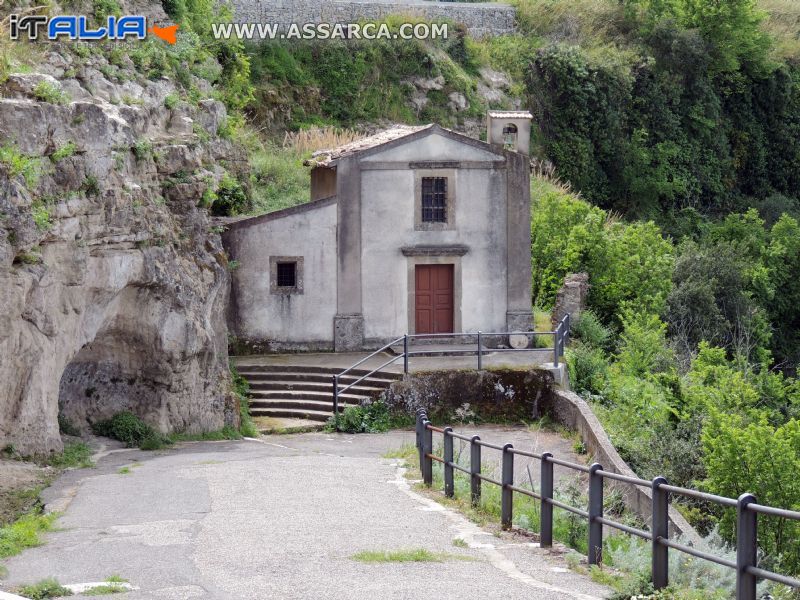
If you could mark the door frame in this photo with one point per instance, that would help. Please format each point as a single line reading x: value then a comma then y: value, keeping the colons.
x: 413, y: 261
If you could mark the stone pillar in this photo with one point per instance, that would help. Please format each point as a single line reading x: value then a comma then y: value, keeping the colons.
x: 348, y: 333
x: 348, y: 324
x: 571, y: 298
x: 519, y: 316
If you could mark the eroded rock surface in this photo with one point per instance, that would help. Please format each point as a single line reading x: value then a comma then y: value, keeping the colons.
x: 113, y: 285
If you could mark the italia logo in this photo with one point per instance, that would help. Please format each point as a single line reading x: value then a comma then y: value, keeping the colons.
x: 78, y: 28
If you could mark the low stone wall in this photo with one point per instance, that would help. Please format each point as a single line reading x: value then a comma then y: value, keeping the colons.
x: 571, y: 411
x: 481, y: 20
x: 493, y: 395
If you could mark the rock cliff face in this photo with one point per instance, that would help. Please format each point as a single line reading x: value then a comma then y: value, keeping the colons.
x: 113, y: 285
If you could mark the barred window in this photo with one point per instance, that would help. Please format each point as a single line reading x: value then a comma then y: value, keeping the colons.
x: 434, y: 199
x: 287, y: 274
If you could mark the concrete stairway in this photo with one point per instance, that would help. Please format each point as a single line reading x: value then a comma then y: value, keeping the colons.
x: 305, y: 392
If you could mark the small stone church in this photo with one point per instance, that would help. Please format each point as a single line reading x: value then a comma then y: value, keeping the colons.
x: 412, y: 230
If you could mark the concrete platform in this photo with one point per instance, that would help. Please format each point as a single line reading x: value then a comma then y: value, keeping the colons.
x: 343, y: 360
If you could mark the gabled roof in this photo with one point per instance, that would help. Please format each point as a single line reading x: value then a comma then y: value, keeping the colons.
x: 323, y: 158
x: 510, y: 114
x: 399, y: 134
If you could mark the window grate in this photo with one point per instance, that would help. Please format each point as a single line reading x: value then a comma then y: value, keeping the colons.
x: 434, y: 199
x: 287, y: 274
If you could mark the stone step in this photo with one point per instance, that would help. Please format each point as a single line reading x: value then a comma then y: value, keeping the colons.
x: 365, y: 387
x: 325, y: 396
x: 244, y: 368
x: 306, y: 392
x: 290, y: 413
x: 379, y: 381
x: 297, y: 403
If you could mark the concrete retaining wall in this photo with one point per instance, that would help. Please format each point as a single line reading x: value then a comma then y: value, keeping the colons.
x: 493, y: 394
x: 481, y: 20
x: 571, y: 411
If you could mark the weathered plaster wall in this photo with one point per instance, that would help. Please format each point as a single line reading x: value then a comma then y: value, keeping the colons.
x: 480, y: 19
x: 387, y: 225
x: 280, y: 321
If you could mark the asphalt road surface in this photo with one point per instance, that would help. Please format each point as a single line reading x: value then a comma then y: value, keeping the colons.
x: 281, y: 517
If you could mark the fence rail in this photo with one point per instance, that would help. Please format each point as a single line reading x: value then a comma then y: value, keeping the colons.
x: 560, y: 340
x: 747, y: 510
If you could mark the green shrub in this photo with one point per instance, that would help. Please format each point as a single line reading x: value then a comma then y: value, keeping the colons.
x: 130, y: 429
x: 171, y: 101
x: 591, y: 331
x: 48, y: 92
x: 142, y: 149
x: 63, y: 152
x: 102, y: 9
x: 231, y: 198
x: 367, y: 418
x: 588, y: 368
x: 47, y: 588
x: 17, y: 163
x: 41, y: 216
x: 91, y: 186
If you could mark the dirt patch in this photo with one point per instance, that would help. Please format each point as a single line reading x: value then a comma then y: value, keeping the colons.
x: 20, y: 483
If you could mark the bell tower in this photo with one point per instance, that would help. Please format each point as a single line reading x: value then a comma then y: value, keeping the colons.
x: 510, y: 130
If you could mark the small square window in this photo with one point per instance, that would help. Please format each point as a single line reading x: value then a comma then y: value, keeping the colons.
x: 287, y: 274
x: 434, y: 199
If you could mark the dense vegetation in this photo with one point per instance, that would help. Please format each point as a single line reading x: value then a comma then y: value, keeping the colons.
x: 678, y: 351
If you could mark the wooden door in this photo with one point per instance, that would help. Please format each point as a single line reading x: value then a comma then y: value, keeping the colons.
x: 434, y: 299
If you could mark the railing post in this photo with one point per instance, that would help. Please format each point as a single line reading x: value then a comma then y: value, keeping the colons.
x: 421, y: 416
x: 746, y: 548
x: 336, y: 401
x: 546, y: 510
x: 660, y: 529
x: 595, y: 555
x: 556, y: 335
x: 449, y: 487
x: 427, y: 450
x: 475, y: 470
x: 405, y: 354
x: 480, y: 353
x: 507, y: 498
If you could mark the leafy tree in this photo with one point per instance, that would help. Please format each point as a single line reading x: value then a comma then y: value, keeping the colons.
x: 643, y: 345
x: 712, y: 300
x: 627, y: 263
x: 783, y: 262
x: 743, y: 455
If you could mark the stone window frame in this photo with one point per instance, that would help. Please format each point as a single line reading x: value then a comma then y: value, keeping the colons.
x: 452, y: 199
x: 273, y: 275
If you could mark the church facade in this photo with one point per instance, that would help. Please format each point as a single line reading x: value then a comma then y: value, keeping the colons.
x: 412, y: 230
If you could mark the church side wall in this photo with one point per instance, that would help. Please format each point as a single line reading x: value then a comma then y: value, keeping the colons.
x: 268, y: 321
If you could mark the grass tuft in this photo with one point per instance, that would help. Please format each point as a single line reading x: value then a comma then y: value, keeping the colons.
x: 76, y: 455
x: 406, y: 555
x: 47, y: 588
x: 25, y: 533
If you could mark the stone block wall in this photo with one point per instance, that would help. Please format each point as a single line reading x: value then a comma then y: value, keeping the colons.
x: 480, y: 19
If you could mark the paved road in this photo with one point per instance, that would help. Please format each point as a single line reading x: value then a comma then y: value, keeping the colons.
x: 279, y: 518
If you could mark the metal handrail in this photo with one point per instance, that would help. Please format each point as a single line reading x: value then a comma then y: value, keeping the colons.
x: 378, y: 351
x: 560, y: 339
x: 746, y: 563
